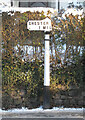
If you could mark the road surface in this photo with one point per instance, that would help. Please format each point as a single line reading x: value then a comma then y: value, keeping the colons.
x: 42, y: 119
x: 43, y: 115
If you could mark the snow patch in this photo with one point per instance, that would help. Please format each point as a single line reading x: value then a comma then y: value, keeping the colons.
x: 23, y: 9
x: 40, y: 109
x: 74, y: 12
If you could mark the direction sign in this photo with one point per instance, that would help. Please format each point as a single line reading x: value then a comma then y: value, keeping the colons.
x: 42, y: 25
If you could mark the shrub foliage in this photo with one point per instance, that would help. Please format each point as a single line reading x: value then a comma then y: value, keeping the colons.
x: 23, y: 72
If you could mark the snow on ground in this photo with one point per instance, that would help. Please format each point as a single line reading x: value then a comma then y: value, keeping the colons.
x: 40, y: 109
x: 23, y: 9
x: 73, y: 11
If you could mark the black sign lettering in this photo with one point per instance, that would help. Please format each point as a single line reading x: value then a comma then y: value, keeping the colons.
x: 39, y: 27
x: 32, y: 23
x: 37, y: 23
x: 44, y: 27
x: 29, y: 23
x: 43, y: 23
x: 46, y: 23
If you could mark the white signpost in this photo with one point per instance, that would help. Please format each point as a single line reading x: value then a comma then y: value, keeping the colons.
x: 46, y: 26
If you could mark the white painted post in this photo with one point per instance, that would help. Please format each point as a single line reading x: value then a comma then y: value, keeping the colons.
x: 46, y: 62
x: 46, y: 102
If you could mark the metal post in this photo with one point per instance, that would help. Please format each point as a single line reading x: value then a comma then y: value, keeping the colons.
x: 46, y: 102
